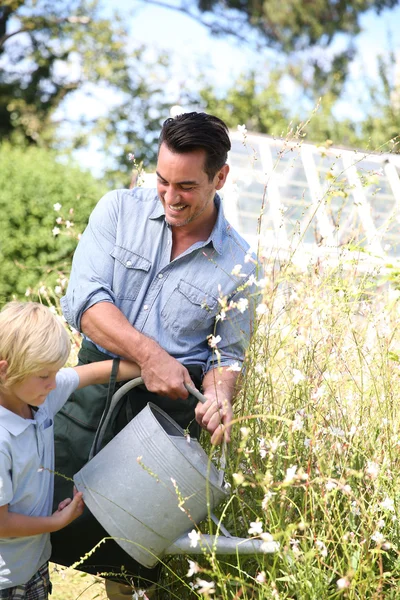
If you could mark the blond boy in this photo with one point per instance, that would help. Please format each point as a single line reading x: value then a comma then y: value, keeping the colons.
x: 34, y: 346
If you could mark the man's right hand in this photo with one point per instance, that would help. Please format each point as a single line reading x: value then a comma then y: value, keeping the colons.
x: 163, y: 374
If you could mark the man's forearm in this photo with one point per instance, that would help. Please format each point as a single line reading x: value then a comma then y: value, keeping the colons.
x: 162, y: 374
x: 220, y: 383
x: 105, y: 325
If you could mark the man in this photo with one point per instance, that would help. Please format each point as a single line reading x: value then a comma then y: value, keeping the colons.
x: 161, y: 278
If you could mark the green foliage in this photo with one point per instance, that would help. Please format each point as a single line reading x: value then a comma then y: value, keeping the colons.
x: 290, y: 25
x: 31, y: 182
x: 260, y: 107
x: 51, y: 50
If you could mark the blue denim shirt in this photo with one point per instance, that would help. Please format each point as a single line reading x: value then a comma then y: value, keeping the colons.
x: 123, y: 257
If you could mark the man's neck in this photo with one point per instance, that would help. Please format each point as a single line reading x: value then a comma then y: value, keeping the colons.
x: 185, y: 236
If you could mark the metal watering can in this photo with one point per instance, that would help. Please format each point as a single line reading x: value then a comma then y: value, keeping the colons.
x: 151, y: 484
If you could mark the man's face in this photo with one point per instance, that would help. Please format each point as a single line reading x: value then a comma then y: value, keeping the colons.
x: 184, y: 188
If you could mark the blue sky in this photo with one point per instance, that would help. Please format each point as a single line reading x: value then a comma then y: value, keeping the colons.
x: 167, y: 29
x: 192, y: 48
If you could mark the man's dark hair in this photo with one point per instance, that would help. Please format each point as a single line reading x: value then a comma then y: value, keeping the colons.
x: 194, y: 131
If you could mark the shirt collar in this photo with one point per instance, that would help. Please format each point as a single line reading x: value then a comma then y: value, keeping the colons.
x: 12, y: 422
x: 220, y: 228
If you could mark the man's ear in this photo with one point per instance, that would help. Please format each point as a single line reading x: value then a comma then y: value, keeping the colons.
x: 3, y: 369
x: 222, y: 175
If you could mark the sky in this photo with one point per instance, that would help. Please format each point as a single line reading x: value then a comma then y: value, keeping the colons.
x: 191, y: 47
x: 168, y: 29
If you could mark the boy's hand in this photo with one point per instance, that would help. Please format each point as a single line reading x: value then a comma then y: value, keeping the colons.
x: 69, y: 510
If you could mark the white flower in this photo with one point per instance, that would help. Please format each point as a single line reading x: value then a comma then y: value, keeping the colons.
x: 194, y: 538
x: 387, y: 504
x: 290, y: 474
x: 372, y: 469
x: 58, y: 289
x: 267, y: 497
x: 205, y: 587
x: 297, y: 423
x: 214, y: 340
x: 261, y: 577
x: 242, y: 304
x: 263, y: 448
x: 269, y: 545
x: 295, y: 546
x: 331, y: 485
x: 57, y: 206
x: 297, y: 376
x: 234, y: 367
x: 55, y: 231
x: 28, y: 292
x: 68, y: 224
x: 261, y: 309
x: 59, y: 220
x: 256, y: 528
x: 238, y: 478
x: 378, y: 537
x: 322, y: 548
x: 343, y: 583
x: 380, y: 524
x: 236, y: 270
x: 242, y: 129
x: 131, y: 157
x: 193, y: 568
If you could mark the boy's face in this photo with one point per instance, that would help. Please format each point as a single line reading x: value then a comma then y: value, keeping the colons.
x: 34, y: 388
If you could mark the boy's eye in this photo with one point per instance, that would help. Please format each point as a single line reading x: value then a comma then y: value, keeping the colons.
x: 44, y: 376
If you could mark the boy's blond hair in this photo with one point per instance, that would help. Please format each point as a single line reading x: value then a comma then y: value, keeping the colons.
x: 31, y: 338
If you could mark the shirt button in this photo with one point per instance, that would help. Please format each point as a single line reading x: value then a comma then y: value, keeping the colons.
x: 160, y: 276
x: 128, y: 263
x: 146, y: 307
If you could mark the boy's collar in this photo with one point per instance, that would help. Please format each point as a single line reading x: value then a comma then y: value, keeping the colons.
x: 13, y: 423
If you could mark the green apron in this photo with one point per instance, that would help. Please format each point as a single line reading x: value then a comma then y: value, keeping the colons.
x: 75, y: 428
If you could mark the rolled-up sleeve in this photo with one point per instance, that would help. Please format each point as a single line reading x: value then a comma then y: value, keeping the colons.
x: 234, y: 330
x: 92, y: 266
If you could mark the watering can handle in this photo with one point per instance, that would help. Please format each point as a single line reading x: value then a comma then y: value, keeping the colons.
x: 114, y: 402
x: 222, y: 463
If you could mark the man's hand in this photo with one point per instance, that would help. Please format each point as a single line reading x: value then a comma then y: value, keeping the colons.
x: 163, y: 374
x: 215, y: 416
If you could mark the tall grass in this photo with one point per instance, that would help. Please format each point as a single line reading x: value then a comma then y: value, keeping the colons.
x: 314, y: 460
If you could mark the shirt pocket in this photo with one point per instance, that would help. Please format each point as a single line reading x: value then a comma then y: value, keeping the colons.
x: 130, y: 271
x: 189, y: 308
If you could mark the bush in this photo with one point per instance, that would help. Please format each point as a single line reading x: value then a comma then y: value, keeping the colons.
x: 37, y: 241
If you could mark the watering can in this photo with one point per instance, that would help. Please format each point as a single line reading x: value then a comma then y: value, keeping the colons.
x: 151, y: 484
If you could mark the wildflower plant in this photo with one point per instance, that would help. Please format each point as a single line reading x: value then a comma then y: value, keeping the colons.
x: 314, y: 462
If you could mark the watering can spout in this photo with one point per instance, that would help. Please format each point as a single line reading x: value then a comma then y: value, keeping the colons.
x: 222, y: 545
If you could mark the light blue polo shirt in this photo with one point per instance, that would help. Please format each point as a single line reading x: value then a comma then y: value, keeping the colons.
x: 27, y: 479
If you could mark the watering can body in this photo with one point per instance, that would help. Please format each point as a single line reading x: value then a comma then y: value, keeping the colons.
x: 151, y: 485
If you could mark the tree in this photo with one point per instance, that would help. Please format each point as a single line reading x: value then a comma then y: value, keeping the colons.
x: 50, y: 51
x: 289, y: 26
x: 43, y: 207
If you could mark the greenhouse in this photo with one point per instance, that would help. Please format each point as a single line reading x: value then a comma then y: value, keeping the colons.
x: 318, y: 198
